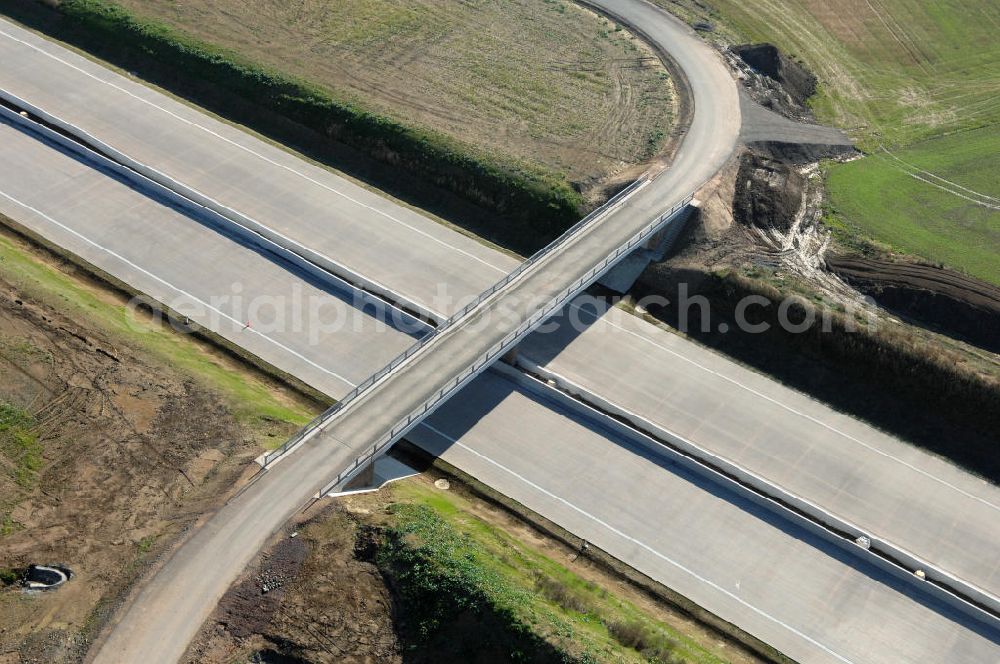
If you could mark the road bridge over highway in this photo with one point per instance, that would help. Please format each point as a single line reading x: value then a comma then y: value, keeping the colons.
x: 210, y: 157
x: 383, y: 408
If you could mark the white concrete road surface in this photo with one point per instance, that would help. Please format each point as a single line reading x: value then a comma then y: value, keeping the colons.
x: 894, y: 491
x: 345, y: 220
x: 814, y: 603
x: 322, y: 338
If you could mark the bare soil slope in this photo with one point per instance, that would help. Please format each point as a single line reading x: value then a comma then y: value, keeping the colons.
x: 131, y: 451
x: 948, y: 300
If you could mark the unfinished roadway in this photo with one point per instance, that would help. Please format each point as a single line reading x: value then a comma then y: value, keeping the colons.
x: 709, y: 386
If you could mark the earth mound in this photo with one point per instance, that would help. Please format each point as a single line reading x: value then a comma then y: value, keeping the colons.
x: 767, y: 60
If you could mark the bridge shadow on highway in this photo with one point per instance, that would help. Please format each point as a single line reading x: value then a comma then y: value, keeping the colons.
x: 477, y: 420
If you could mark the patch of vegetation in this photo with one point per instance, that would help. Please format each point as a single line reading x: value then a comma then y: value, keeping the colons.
x: 453, y: 568
x: 8, y: 525
x: 8, y: 576
x: 19, y: 444
x: 441, y: 580
x: 252, y: 401
x: 145, y: 544
x: 882, y: 198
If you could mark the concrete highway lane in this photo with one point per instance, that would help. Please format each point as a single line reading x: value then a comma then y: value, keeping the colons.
x: 298, y: 325
x: 845, y: 465
x: 809, y: 600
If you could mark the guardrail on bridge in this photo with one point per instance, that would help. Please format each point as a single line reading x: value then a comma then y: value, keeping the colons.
x: 502, y: 347
x: 318, y: 423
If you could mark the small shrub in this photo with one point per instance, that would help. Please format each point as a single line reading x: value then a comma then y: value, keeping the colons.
x: 629, y: 634
x: 8, y: 576
x: 561, y: 594
x: 654, y: 646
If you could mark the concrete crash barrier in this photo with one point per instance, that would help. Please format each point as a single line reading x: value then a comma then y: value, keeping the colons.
x: 231, y: 221
x: 46, y: 577
x: 898, y: 562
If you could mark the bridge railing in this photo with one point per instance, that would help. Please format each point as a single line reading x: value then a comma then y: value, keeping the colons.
x: 317, y: 423
x: 501, y: 347
x: 548, y: 249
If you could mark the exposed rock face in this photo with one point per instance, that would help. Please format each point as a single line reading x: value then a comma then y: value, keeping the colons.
x: 769, y: 61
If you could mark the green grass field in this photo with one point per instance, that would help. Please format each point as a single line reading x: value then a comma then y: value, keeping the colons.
x: 878, y: 197
x: 903, y: 74
x: 892, y: 71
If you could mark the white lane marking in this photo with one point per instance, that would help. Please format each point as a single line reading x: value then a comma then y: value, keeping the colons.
x: 600, y: 318
x: 239, y: 324
x: 639, y: 543
x: 256, y: 154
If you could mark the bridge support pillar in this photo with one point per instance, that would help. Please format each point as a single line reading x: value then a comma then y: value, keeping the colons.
x: 363, y: 480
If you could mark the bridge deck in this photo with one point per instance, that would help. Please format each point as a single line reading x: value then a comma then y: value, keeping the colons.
x: 400, y: 399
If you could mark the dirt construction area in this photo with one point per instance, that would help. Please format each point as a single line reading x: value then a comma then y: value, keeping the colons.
x: 106, y: 454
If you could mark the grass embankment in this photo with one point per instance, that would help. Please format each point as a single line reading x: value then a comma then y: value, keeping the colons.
x: 464, y: 96
x: 251, y: 398
x: 19, y: 444
x: 918, y: 78
x: 468, y: 587
x: 20, y: 457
